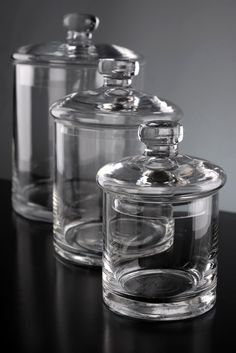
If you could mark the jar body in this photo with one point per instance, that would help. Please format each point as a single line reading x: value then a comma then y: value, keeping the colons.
x: 80, y: 151
x: 160, y: 259
x: 36, y: 87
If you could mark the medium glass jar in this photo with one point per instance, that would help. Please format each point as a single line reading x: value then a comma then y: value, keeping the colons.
x: 160, y: 229
x: 92, y: 128
x: 44, y: 73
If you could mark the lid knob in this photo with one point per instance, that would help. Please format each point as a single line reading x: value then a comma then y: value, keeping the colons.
x: 79, y: 33
x: 118, y: 68
x: 84, y: 23
x: 159, y: 136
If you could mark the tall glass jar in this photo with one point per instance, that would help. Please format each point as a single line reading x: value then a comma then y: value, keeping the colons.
x: 160, y: 229
x: 92, y: 128
x: 44, y: 73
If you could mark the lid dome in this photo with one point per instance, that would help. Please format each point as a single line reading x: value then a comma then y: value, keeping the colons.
x: 162, y: 173
x: 116, y: 103
x: 78, y: 47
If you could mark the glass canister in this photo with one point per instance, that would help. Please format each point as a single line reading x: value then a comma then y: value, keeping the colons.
x: 92, y: 128
x: 160, y: 229
x: 44, y: 73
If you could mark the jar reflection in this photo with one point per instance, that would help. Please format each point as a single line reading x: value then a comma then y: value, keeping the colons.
x: 33, y: 292
x: 78, y: 308
x: 134, y: 336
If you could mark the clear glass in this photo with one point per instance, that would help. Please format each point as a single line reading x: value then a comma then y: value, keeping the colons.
x: 77, y: 202
x: 92, y: 128
x: 36, y: 87
x: 160, y: 229
x: 43, y: 74
x: 160, y: 260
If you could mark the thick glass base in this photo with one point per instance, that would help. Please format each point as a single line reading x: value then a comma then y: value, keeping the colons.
x: 82, y: 244
x: 159, y: 295
x: 34, y: 202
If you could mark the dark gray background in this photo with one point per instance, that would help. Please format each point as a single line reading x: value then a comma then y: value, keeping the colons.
x: 190, y: 50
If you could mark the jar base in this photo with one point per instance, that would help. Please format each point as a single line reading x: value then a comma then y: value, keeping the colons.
x: 34, y: 201
x: 32, y: 212
x: 160, y: 295
x: 82, y: 245
x: 77, y: 259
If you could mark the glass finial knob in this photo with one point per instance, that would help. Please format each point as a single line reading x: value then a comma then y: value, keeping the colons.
x: 118, y: 68
x: 160, y: 133
x: 81, y: 23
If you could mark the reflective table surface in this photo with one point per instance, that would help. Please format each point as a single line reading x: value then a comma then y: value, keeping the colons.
x: 50, y: 306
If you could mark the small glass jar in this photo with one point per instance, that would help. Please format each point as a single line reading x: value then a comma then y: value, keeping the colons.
x: 44, y: 73
x: 92, y: 128
x: 160, y: 229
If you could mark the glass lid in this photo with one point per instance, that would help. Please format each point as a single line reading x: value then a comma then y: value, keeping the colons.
x: 161, y: 172
x: 116, y: 103
x: 78, y: 47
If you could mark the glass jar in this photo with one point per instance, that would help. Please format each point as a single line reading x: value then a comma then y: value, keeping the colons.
x: 92, y: 128
x: 44, y: 73
x: 160, y: 229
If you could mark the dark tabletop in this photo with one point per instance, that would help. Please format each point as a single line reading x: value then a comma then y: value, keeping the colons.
x: 49, y: 306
